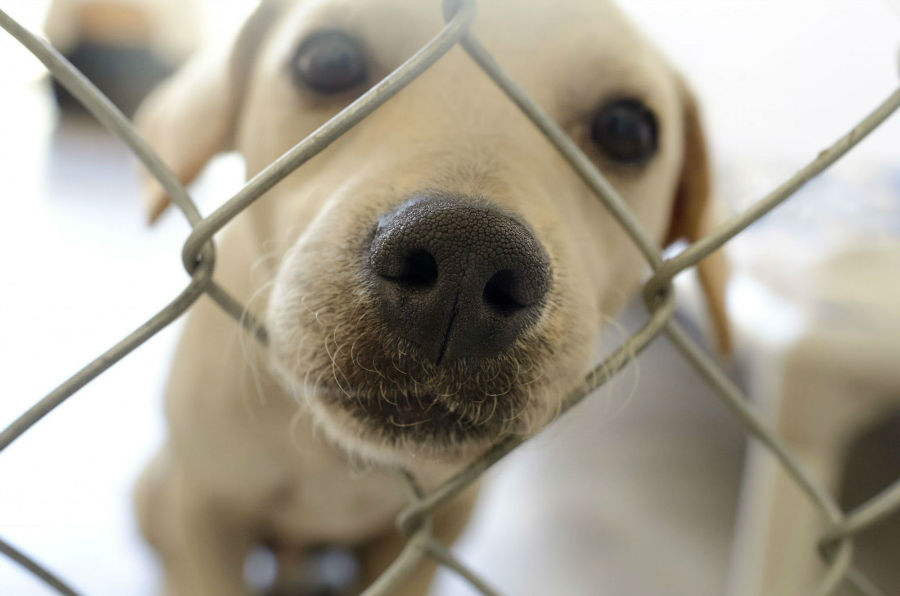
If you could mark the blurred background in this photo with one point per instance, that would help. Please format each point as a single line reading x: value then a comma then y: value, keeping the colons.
x: 778, y: 82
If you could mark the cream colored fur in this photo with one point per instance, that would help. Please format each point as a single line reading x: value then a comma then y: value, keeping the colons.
x: 168, y: 27
x: 254, y: 451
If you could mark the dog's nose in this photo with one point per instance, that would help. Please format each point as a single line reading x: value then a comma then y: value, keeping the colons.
x: 457, y: 276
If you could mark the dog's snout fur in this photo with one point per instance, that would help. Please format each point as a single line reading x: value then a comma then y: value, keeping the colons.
x: 456, y: 276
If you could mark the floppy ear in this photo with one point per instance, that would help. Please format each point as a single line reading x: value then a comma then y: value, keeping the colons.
x: 694, y: 215
x: 193, y: 115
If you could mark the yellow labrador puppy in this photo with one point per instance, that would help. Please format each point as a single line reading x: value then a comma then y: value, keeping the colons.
x: 431, y: 282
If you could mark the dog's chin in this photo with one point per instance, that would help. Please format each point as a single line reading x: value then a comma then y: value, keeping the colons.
x: 400, y: 429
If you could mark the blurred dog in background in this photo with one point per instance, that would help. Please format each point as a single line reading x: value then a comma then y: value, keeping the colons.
x: 125, y: 47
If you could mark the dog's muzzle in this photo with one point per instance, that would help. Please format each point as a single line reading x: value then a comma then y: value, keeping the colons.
x: 456, y: 276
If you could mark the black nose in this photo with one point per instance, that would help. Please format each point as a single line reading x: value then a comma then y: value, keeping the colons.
x: 457, y: 276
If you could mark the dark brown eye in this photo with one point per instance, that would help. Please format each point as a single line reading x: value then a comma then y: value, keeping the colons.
x: 329, y: 61
x: 625, y: 131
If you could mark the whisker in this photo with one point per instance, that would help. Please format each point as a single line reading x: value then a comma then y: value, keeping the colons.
x: 407, y: 424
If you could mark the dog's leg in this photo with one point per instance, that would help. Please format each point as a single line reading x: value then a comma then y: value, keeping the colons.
x: 201, y: 544
x: 449, y: 522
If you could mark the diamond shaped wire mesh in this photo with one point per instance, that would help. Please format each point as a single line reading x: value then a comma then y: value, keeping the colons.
x: 199, y: 258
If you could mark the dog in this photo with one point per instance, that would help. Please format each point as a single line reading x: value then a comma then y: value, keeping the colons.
x: 125, y: 47
x: 431, y: 283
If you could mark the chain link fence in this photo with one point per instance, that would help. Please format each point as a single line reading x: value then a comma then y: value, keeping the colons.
x: 199, y: 258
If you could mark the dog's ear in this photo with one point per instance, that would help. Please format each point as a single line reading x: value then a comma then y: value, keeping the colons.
x: 193, y: 116
x: 694, y: 214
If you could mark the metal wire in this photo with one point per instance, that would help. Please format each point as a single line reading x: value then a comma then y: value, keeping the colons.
x: 198, y: 258
x: 35, y: 569
x: 445, y: 556
x: 874, y: 511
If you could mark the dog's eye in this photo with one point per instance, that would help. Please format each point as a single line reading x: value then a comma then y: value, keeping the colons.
x: 626, y: 131
x: 329, y: 61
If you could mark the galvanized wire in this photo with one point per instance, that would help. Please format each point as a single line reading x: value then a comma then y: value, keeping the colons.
x: 872, y: 512
x: 445, y: 557
x: 35, y: 569
x: 198, y: 257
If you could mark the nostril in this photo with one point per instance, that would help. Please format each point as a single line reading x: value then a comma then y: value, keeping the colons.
x: 418, y: 270
x: 500, y: 293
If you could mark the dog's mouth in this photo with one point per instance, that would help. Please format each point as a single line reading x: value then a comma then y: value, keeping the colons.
x: 428, y: 419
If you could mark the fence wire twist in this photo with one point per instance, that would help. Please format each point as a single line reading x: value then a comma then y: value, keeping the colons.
x: 198, y: 257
